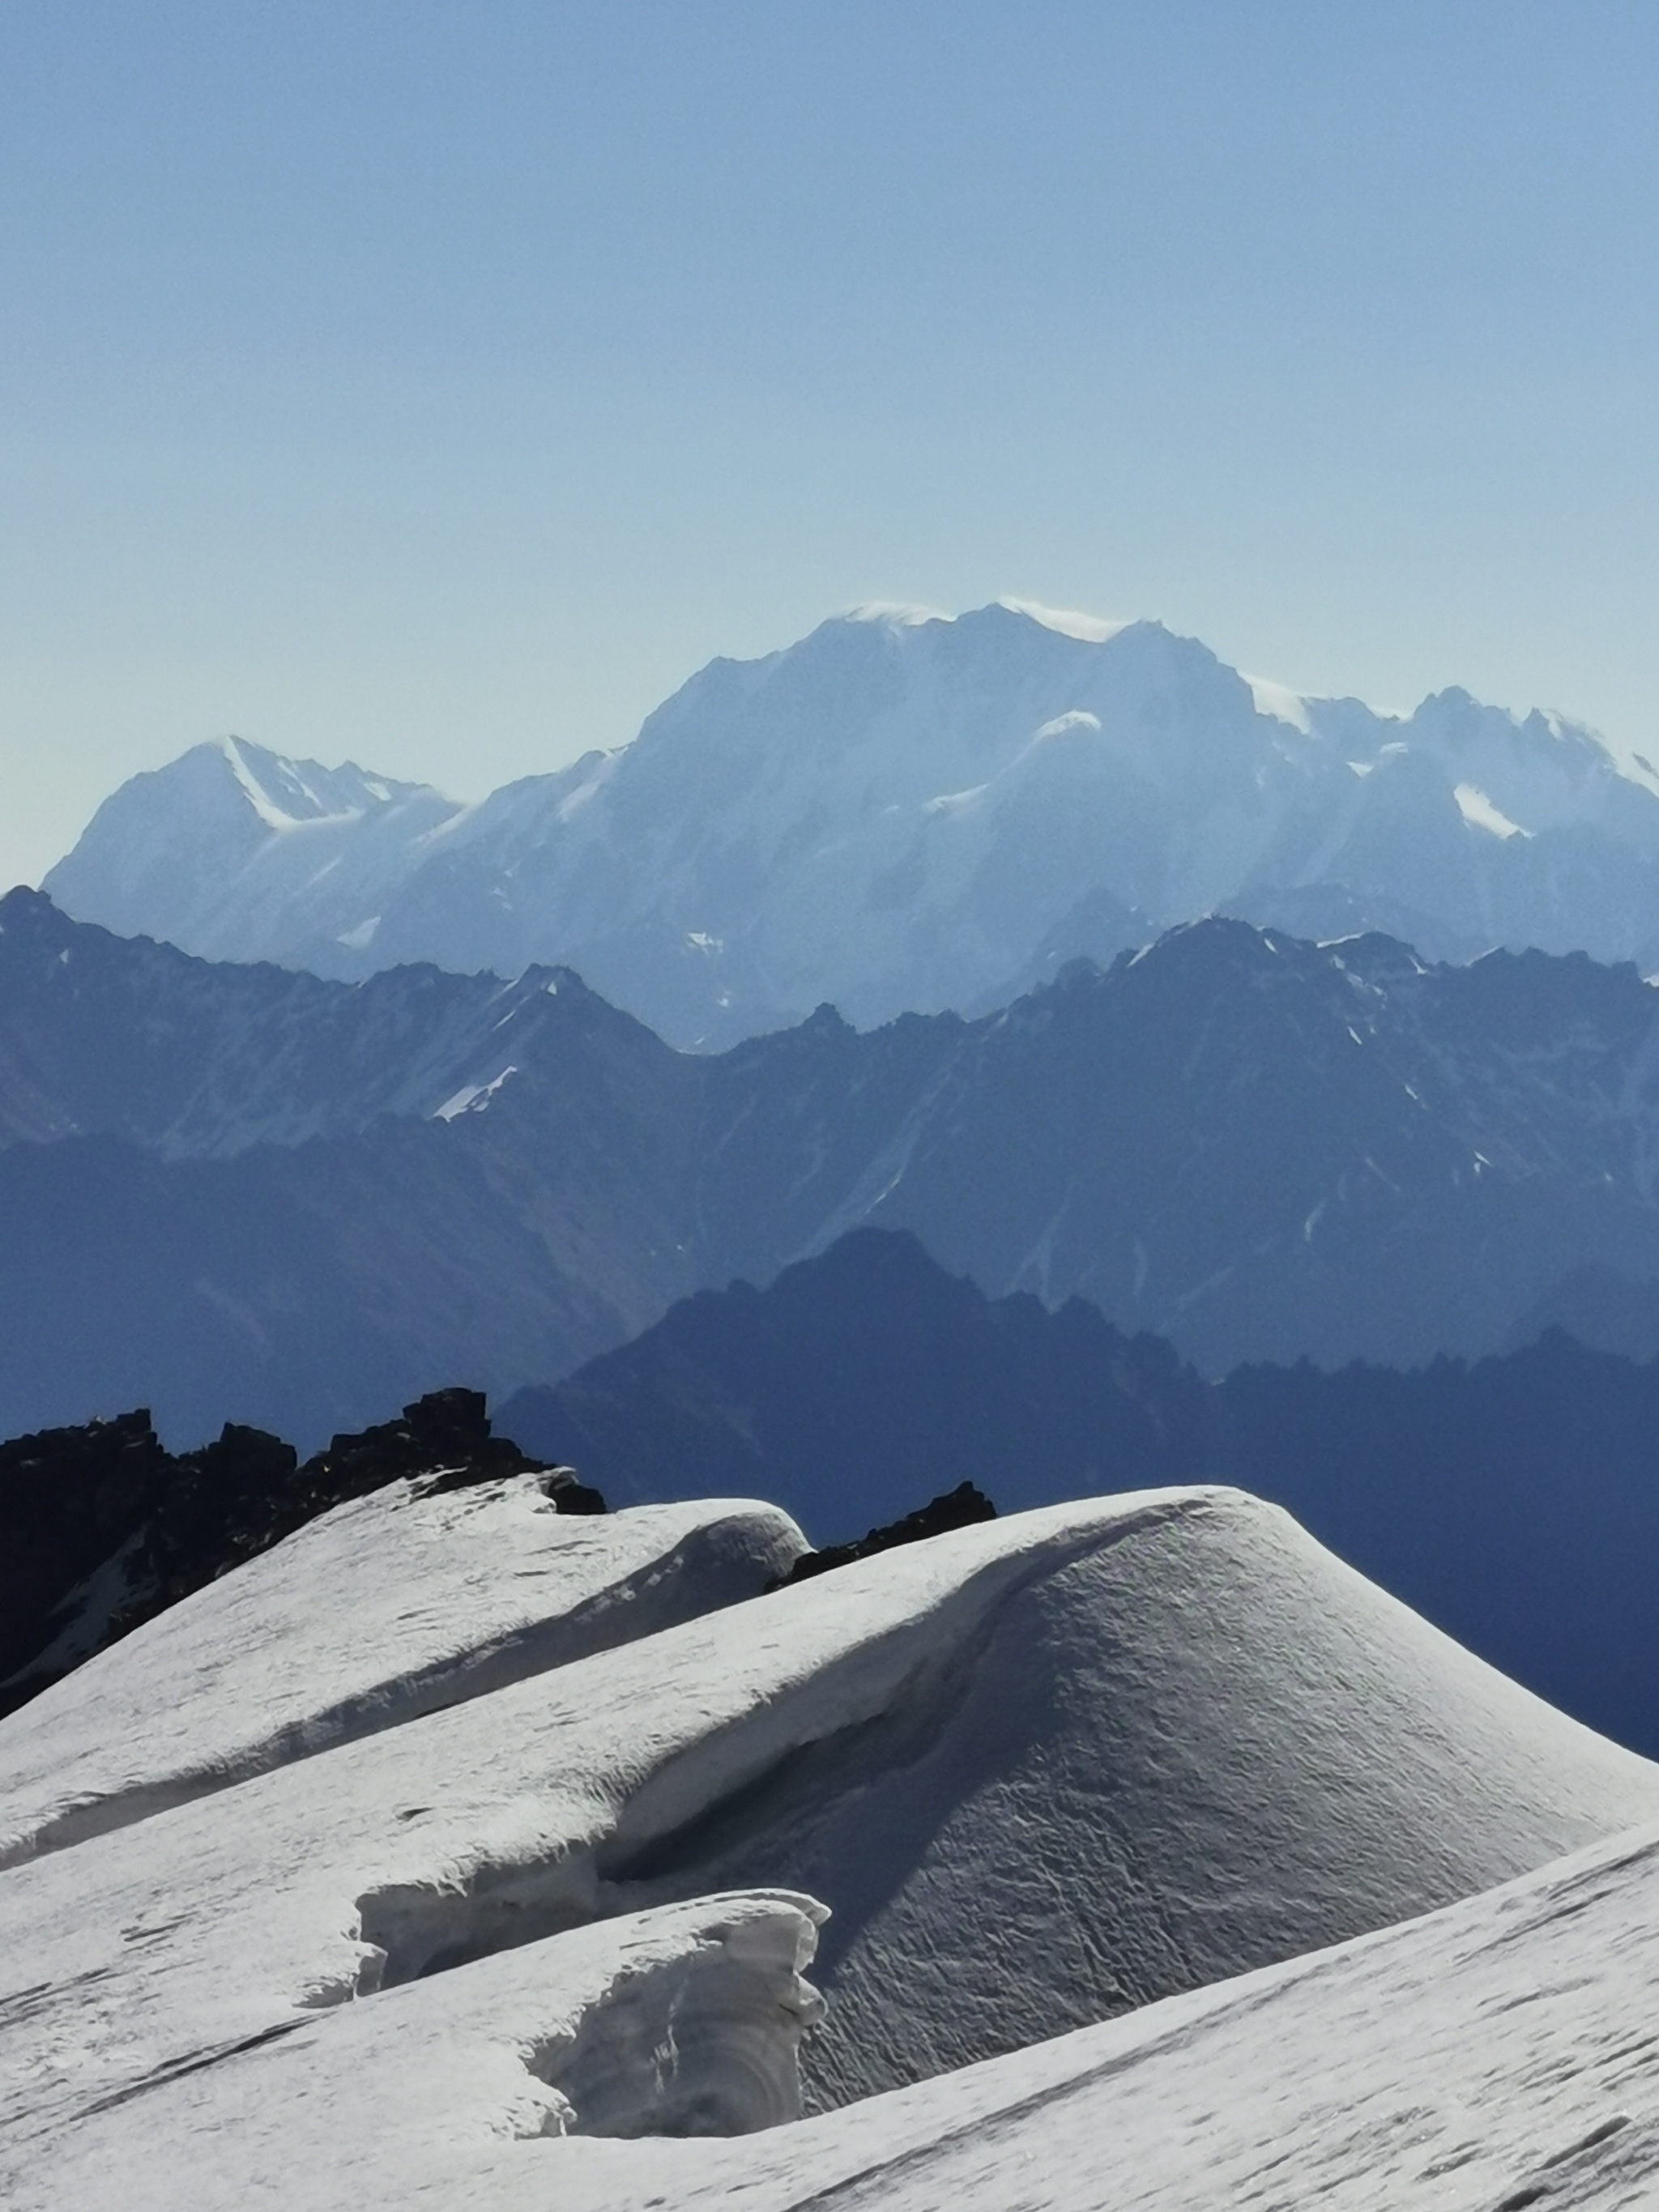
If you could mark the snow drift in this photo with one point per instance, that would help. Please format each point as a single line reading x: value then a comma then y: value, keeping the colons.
x: 396, y: 1604
x: 1498, y: 2054
x: 1040, y: 1771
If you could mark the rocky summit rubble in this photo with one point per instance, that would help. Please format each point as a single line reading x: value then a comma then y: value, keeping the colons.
x: 101, y: 1527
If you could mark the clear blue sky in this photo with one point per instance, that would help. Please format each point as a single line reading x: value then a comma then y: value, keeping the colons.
x: 440, y: 385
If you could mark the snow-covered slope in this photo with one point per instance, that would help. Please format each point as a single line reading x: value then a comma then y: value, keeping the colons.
x: 396, y: 1604
x: 1496, y: 2055
x: 1040, y: 1771
x: 232, y: 848
x: 906, y: 811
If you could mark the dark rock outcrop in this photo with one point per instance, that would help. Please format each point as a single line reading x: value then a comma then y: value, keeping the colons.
x: 101, y: 1528
x: 953, y: 1509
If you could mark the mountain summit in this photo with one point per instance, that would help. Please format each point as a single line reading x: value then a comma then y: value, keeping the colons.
x: 904, y: 811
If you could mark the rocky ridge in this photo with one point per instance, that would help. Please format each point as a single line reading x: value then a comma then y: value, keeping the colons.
x: 101, y: 1528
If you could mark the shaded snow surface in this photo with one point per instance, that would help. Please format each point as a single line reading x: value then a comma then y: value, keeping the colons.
x: 1040, y: 1771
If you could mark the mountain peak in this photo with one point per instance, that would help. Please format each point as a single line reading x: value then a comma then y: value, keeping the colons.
x: 904, y: 810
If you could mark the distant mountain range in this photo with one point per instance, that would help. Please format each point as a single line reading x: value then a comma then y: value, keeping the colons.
x: 904, y: 812
x: 234, y: 1192
x: 1515, y: 1503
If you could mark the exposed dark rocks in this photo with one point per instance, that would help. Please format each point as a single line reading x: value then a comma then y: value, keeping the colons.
x: 101, y: 1528
x: 954, y: 1509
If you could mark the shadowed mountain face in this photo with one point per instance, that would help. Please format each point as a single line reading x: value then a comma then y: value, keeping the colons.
x: 902, y: 813
x: 1514, y: 1502
x: 230, y: 1191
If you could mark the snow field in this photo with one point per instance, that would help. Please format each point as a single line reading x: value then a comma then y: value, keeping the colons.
x: 1040, y: 1770
x: 393, y: 1605
x: 1500, y: 2053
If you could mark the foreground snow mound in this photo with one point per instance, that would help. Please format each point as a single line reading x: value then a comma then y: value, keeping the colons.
x: 395, y: 1605
x: 681, y: 2023
x: 1040, y: 1769
x: 1192, y: 1744
x: 1498, y: 2054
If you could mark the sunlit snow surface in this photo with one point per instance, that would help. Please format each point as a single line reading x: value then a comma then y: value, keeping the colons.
x: 389, y: 1606
x: 1040, y: 1771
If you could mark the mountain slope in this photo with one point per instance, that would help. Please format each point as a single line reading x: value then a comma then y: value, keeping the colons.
x: 1259, y: 1148
x: 425, y: 1594
x: 904, y: 812
x: 127, y: 1038
x: 1041, y: 1771
x: 231, y: 846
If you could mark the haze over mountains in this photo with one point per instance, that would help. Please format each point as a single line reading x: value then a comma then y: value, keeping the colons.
x: 234, y: 1192
x: 904, y: 812
x: 386, y: 1860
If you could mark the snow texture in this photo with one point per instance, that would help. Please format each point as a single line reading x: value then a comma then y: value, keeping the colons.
x: 1040, y: 1770
x: 396, y: 1604
x: 1498, y: 2054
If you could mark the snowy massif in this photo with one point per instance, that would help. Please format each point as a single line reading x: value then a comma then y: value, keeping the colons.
x: 1099, y: 1760
x: 903, y: 811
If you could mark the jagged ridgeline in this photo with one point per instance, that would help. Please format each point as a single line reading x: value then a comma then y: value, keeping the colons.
x: 241, y: 1193
x: 101, y: 1528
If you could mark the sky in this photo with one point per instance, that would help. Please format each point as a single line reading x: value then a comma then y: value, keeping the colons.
x: 439, y: 385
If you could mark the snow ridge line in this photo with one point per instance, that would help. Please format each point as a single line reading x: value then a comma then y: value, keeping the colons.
x: 646, y: 1849
x: 620, y: 1613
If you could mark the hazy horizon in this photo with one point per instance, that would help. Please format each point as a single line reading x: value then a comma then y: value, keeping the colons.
x: 441, y: 390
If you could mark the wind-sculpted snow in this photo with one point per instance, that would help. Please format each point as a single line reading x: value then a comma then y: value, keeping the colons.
x: 1040, y: 1771
x: 397, y: 1604
x: 682, y: 2022
x: 1496, y: 2055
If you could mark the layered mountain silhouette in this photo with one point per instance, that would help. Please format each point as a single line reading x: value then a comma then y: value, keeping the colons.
x: 1514, y: 1502
x: 903, y: 811
x: 229, y: 1192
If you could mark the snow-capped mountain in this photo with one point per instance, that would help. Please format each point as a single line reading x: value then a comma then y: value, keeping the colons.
x: 1028, y: 1799
x: 904, y: 811
x: 232, y: 852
